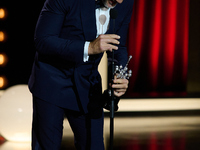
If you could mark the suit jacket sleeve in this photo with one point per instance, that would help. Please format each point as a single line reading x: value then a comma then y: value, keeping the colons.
x: 47, y: 40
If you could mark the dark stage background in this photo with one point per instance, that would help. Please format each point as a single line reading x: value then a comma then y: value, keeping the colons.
x: 163, y: 39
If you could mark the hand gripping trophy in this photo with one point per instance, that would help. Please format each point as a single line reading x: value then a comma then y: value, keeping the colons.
x: 119, y: 73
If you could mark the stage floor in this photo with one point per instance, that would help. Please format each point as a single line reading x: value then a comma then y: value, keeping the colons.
x: 149, y: 133
x: 134, y: 132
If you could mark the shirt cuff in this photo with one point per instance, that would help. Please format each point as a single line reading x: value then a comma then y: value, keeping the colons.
x: 85, y: 55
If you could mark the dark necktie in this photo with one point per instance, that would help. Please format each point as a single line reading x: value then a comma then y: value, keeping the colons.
x: 99, y: 4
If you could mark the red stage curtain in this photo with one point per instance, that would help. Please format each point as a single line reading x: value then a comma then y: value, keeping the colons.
x: 158, y: 41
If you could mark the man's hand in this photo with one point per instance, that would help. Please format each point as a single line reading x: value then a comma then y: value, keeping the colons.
x: 104, y: 42
x: 120, y: 86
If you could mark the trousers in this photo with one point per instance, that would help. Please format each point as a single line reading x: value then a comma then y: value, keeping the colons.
x: 47, y: 127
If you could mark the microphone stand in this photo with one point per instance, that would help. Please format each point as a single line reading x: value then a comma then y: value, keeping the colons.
x: 120, y: 73
x: 113, y: 15
x: 112, y: 112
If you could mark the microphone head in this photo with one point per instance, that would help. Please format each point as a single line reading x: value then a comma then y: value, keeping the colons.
x: 113, y: 13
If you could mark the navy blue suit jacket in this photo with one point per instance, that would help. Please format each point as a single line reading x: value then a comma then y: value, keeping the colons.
x: 59, y: 74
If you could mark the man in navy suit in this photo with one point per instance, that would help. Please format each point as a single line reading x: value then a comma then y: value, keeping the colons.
x: 70, y: 39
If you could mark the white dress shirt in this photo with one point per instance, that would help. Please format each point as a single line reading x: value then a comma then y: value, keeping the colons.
x: 102, y: 27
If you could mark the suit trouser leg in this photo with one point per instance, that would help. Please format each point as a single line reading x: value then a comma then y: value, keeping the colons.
x: 47, y: 128
x: 88, y: 132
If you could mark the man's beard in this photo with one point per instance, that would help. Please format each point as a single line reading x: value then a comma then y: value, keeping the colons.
x: 105, y: 2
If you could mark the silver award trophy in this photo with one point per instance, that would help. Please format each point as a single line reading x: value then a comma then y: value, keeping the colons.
x: 123, y: 73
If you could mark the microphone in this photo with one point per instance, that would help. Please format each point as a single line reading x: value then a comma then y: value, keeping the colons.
x: 113, y: 15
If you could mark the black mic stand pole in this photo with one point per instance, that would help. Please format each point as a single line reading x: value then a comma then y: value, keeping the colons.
x: 112, y: 112
x: 113, y: 15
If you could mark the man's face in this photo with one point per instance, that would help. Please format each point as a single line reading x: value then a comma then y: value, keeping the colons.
x: 111, y: 3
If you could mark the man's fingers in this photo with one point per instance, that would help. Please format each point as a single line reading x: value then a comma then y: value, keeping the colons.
x: 120, y: 86
x: 109, y: 36
x: 112, y: 41
x: 108, y: 43
x: 120, y: 90
x: 105, y: 42
x: 109, y: 47
x: 118, y: 94
x: 109, y: 39
x: 120, y: 83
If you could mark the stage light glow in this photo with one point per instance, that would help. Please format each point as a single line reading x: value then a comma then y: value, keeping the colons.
x: 2, y: 82
x: 2, y: 13
x: 16, y: 114
x: 3, y: 59
x: 2, y: 36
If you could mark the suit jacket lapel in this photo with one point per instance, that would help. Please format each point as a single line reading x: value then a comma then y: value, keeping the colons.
x: 88, y: 19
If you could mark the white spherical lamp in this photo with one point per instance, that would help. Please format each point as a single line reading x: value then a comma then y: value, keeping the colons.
x: 16, y: 113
